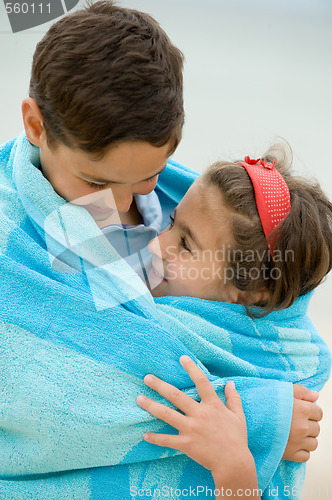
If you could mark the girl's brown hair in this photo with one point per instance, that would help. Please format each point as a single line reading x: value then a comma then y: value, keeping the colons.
x: 303, y: 251
x: 108, y: 74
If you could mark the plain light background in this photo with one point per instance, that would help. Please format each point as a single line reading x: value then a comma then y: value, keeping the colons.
x: 255, y: 70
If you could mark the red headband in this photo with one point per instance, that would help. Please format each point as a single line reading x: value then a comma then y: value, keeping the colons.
x: 271, y: 194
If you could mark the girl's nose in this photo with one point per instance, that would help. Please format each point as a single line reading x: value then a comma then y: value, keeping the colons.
x: 158, y: 246
x: 154, y: 247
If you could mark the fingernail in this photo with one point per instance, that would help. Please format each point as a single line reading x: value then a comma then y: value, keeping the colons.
x: 140, y: 400
x: 148, y: 379
x: 231, y: 384
x: 146, y: 436
x: 185, y: 359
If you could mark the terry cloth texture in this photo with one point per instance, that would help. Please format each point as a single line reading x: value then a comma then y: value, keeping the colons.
x: 79, y: 331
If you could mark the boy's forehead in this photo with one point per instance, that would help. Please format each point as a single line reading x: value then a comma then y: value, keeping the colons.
x: 130, y: 162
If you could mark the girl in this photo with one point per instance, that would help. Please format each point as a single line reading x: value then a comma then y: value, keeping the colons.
x: 248, y: 233
x: 272, y: 245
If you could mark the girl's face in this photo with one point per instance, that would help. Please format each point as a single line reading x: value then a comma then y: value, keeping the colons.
x: 190, y: 254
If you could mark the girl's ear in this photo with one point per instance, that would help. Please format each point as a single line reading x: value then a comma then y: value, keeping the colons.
x: 252, y: 298
x: 33, y: 121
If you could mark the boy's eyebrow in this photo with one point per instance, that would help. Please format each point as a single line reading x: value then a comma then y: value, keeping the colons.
x: 104, y: 181
x: 186, y: 230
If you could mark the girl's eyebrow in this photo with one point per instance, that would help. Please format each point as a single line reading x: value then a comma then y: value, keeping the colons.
x: 105, y: 181
x: 188, y: 231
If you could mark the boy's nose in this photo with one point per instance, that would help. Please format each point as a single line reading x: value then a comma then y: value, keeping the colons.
x: 123, y: 203
x: 119, y: 198
x: 123, y: 199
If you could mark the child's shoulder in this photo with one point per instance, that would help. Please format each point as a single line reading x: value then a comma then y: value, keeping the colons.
x: 235, y: 317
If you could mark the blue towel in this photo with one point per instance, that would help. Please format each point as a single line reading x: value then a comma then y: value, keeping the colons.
x: 79, y: 331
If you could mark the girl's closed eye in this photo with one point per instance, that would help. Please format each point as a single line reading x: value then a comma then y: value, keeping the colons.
x: 183, y: 239
x: 183, y: 244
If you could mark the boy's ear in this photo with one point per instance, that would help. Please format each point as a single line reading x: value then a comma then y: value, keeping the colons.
x: 33, y: 121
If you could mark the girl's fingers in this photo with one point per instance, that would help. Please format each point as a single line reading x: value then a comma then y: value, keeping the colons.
x: 315, y: 412
x: 314, y: 429
x: 171, y: 417
x: 202, y: 383
x: 311, y: 444
x: 171, y: 393
x: 168, y: 440
x: 302, y: 392
x: 301, y: 456
x: 233, y: 402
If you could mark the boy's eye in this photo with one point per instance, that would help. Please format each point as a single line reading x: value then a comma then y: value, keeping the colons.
x: 172, y: 220
x: 95, y: 186
x: 151, y: 179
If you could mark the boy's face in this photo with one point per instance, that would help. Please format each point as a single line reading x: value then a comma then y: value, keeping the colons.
x: 191, y: 253
x: 104, y: 185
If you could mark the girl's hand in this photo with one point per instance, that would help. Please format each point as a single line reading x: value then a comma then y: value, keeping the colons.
x: 212, y: 434
x: 304, y: 427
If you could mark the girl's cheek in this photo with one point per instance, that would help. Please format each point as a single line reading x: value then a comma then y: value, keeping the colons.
x: 154, y: 247
x: 173, y: 268
x: 172, y: 253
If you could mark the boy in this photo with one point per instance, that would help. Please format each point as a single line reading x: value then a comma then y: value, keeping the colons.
x: 106, y: 105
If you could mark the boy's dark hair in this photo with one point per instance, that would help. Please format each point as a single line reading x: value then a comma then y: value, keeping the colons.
x: 303, y: 251
x: 106, y: 74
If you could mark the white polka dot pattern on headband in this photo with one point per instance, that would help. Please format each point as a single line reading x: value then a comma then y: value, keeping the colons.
x: 276, y: 193
x: 271, y: 193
